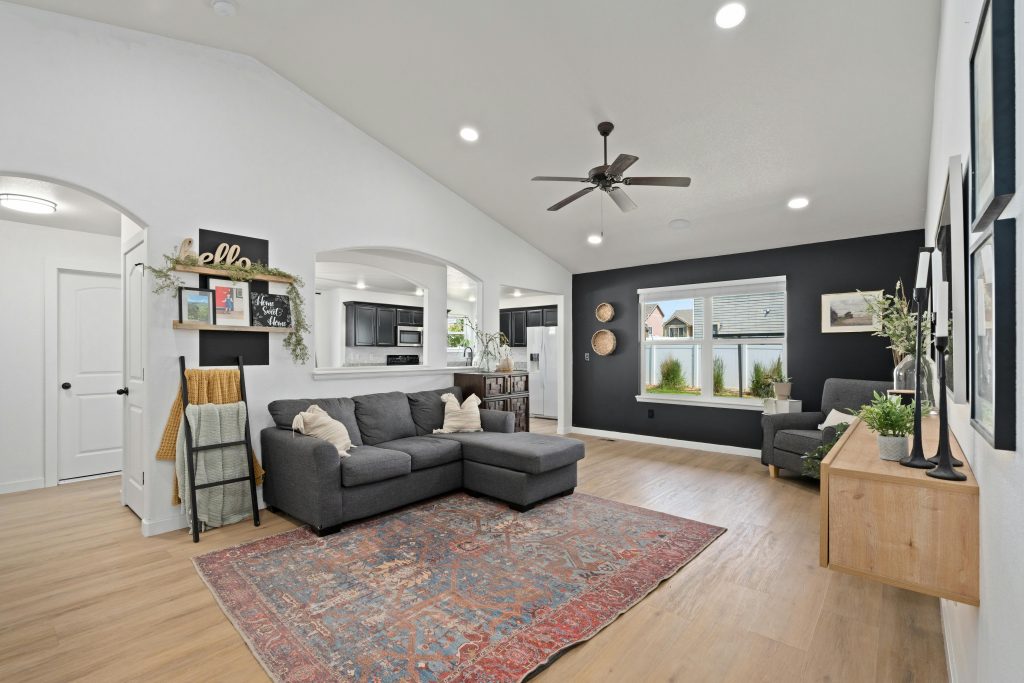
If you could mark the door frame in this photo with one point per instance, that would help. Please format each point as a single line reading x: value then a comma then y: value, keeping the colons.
x: 51, y: 352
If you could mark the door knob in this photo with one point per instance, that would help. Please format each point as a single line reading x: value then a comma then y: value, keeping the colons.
x: 65, y: 386
x: 122, y: 392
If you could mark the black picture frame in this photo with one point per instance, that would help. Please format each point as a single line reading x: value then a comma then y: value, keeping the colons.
x: 993, y: 126
x: 211, y: 318
x: 993, y: 335
x: 951, y: 238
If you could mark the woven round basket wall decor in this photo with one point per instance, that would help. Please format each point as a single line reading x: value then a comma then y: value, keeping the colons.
x: 603, y: 342
x: 604, y: 312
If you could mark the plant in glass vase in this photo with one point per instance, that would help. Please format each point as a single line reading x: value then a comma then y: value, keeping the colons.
x: 897, y: 320
x: 489, y: 346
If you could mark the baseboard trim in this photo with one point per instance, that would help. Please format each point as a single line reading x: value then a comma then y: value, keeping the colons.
x: 951, y: 664
x: 21, y: 485
x: 155, y: 527
x: 662, y: 441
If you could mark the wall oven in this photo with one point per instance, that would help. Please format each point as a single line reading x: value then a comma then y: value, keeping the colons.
x: 410, y: 336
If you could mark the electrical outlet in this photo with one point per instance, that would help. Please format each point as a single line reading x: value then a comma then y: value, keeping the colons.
x: 650, y: 412
x: 586, y: 356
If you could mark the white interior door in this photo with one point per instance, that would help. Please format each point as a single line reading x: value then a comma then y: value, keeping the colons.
x: 133, y: 477
x: 89, y: 362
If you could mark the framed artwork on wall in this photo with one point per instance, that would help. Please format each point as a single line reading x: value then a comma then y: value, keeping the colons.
x: 848, y: 312
x: 195, y: 305
x: 993, y: 132
x: 993, y: 335
x: 951, y: 241
x: 231, y: 301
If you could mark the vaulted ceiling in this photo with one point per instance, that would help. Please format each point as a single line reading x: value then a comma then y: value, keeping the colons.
x: 829, y: 100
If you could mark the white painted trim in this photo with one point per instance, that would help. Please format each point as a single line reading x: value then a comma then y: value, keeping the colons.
x: 952, y: 667
x: 162, y: 526
x: 21, y: 485
x: 709, y: 402
x: 662, y: 441
x: 51, y: 354
x: 384, y: 371
x: 761, y: 284
x: 104, y: 475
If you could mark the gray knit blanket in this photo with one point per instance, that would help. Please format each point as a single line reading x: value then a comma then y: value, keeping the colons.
x: 215, y: 423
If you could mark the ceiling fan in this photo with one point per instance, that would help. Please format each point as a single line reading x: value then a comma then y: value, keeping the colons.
x: 607, y: 177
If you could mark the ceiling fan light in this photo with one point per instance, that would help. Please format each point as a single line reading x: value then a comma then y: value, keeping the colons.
x: 731, y: 15
x: 27, y: 204
x: 595, y: 239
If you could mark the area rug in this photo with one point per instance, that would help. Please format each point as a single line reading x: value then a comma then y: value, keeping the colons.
x: 454, y: 589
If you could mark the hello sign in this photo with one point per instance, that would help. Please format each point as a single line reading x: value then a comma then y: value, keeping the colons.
x: 224, y: 253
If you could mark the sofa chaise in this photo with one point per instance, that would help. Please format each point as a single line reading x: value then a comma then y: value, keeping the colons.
x: 397, y: 459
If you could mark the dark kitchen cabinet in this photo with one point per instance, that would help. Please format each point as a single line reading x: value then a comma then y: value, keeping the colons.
x: 505, y: 325
x: 550, y: 316
x: 514, y: 322
x: 410, y: 317
x: 534, y: 317
x: 360, y: 325
x: 387, y: 319
x: 518, y: 337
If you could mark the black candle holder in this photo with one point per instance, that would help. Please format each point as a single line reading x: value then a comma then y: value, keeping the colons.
x: 916, y: 457
x: 944, y: 457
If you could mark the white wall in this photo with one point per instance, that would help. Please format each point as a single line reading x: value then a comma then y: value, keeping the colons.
x: 25, y: 254
x: 186, y: 137
x: 984, y: 644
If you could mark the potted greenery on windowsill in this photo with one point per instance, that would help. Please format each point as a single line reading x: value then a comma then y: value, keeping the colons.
x: 892, y: 421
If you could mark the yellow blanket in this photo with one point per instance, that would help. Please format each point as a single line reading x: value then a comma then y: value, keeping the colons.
x: 204, y: 386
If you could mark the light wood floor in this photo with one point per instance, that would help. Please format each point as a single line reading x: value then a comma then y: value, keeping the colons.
x: 84, y: 596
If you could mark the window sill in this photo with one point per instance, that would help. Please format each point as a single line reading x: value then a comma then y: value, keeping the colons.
x: 381, y: 371
x: 700, y: 401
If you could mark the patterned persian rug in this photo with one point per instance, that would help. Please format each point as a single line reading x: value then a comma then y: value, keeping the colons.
x: 454, y: 589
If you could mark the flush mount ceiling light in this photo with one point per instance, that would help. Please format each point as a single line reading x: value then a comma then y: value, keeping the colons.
x: 731, y: 15
x: 224, y: 8
x: 360, y: 285
x: 517, y: 294
x: 595, y: 239
x: 798, y: 203
x: 469, y: 134
x: 27, y: 204
x: 679, y: 224
x: 419, y: 291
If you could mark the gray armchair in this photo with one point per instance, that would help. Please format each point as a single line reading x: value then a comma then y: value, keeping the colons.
x: 790, y: 436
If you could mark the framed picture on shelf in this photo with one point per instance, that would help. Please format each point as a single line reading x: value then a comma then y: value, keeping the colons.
x: 195, y: 305
x: 993, y: 132
x: 848, y: 312
x: 271, y: 310
x: 231, y: 302
x: 993, y: 330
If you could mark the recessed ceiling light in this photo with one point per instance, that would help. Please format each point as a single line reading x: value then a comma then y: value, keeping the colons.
x: 595, y: 238
x: 224, y: 8
x: 419, y: 291
x: 472, y: 299
x: 731, y: 15
x: 360, y: 285
x: 26, y: 204
x: 469, y: 134
x: 679, y: 224
x: 798, y: 203
x: 466, y: 285
x: 517, y: 293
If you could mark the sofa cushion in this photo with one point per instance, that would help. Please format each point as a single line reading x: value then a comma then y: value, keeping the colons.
x: 384, y: 417
x: 799, y: 441
x: 426, y: 452
x: 367, y: 464
x: 428, y: 409
x: 284, y: 411
x: 519, y: 451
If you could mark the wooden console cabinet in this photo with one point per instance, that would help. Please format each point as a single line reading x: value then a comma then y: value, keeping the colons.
x: 897, y: 525
x: 500, y: 391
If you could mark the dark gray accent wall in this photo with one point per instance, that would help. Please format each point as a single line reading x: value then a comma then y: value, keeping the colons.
x: 604, y: 389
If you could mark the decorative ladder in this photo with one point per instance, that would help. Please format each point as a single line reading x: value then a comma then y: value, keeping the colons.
x: 191, y: 452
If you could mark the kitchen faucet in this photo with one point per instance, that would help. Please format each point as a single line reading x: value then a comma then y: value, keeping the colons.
x: 468, y: 352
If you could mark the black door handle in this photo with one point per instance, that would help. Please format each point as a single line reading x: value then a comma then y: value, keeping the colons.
x: 122, y: 392
x: 65, y: 386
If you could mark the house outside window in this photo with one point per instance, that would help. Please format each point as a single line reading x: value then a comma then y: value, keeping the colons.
x: 747, y: 324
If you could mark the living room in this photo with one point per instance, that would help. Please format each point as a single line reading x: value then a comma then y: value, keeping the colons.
x: 354, y: 200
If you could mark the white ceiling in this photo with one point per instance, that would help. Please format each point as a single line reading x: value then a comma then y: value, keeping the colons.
x: 831, y: 100
x: 76, y: 210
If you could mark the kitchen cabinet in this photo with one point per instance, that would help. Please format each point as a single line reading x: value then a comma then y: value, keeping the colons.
x: 411, y: 317
x: 534, y: 317
x: 360, y: 325
x: 505, y: 325
x: 518, y: 337
x: 370, y: 324
x: 387, y: 319
x: 513, y: 322
x: 549, y: 316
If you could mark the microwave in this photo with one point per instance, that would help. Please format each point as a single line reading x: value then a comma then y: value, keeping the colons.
x: 410, y: 336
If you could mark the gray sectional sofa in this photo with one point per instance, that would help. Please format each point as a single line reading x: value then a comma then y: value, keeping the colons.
x: 397, y: 460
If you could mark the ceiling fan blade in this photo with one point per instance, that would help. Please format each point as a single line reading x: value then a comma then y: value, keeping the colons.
x: 571, y: 198
x: 619, y: 166
x: 621, y: 199
x: 663, y: 182
x: 558, y: 177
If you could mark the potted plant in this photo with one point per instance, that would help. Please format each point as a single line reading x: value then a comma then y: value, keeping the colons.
x: 892, y: 421
x: 489, y: 344
x: 782, y: 387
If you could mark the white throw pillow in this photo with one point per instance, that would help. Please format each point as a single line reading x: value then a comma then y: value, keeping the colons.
x: 834, y: 418
x: 314, y: 421
x: 464, y: 418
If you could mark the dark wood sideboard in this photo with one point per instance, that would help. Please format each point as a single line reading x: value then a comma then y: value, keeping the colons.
x: 500, y: 391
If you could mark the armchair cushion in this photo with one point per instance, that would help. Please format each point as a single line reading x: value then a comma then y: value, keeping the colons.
x: 799, y: 441
x: 772, y: 424
x: 368, y: 464
x: 846, y: 394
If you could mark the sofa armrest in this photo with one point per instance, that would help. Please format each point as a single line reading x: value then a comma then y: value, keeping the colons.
x: 771, y: 424
x: 497, y: 420
x: 303, y: 476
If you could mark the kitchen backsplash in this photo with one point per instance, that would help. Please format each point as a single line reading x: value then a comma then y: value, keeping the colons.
x: 377, y: 355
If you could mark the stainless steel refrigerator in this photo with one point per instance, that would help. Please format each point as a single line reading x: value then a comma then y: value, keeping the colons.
x: 541, y: 350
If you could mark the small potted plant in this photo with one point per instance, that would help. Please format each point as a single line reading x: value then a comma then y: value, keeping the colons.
x: 782, y: 386
x: 892, y: 421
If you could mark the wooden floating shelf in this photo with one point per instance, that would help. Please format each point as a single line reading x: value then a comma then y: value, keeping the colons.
x: 227, y: 328
x: 216, y: 272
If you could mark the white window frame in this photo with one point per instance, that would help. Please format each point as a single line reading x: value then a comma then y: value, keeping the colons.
x: 707, y: 344
x: 465, y: 331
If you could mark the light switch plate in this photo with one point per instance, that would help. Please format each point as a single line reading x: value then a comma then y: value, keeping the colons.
x: 586, y: 356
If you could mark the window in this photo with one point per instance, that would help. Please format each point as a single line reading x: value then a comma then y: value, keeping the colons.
x: 731, y: 365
